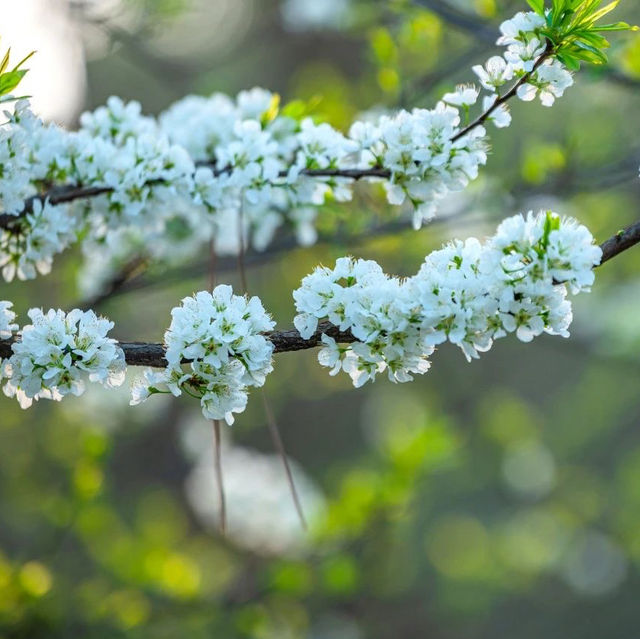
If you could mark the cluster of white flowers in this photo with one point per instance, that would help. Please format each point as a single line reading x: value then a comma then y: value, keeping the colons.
x: 525, y: 45
x: 56, y: 351
x: 426, y: 160
x: 220, y: 336
x: 468, y: 293
x: 233, y: 171
x: 51, y: 229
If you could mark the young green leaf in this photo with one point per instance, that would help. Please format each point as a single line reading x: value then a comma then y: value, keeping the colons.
x: 537, y: 6
x: 9, y: 81
x: 5, y: 61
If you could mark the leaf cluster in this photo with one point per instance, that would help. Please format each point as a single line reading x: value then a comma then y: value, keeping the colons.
x: 573, y: 28
x: 9, y: 80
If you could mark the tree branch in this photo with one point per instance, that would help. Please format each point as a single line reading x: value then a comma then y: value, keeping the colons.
x: 620, y: 242
x: 503, y: 99
x: 69, y: 193
x: 143, y: 354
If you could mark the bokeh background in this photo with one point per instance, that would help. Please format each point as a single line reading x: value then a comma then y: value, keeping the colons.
x: 493, y: 499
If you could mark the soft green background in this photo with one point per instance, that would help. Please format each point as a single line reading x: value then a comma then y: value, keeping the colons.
x: 493, y: 499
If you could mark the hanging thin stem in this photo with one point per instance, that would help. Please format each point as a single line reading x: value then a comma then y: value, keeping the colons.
x: 278, y: 443
x: 217, y: 457
x: 213, y: 261
x: 241, y: 251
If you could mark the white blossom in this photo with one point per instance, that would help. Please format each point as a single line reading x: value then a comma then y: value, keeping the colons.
x: 57, y: 351
x: 517, y: 28
x: 522, y: 56
x: 495, y: 73
x: 467, y: 293
x: 550, y: 80
x: 501, y: 116
x: 464, y: 96
x: 221, y: 336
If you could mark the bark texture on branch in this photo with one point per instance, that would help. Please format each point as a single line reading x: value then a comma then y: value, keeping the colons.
x: 620, y: 242
x: 146, y: 354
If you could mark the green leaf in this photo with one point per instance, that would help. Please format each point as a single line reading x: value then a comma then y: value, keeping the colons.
x: 537, y: 6
x: 595, y: 52
x: 27, y: 57
x: 594, y: 17
x: 616, y: 26
x: 569, y: 61
x: 9, y: 81
x: 5, y: 61
x: 594, y: 39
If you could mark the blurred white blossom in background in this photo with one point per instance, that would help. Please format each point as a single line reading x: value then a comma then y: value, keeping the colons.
x: 594, y: 565
x: 529, y: 469
x: 261, y: 515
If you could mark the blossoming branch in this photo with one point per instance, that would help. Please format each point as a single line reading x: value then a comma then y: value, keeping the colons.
x: 234, y: 171
x: 219, y: 345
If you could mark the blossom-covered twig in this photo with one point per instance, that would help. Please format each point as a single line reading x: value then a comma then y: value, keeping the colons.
x: 285, y: 341
x: 220, y: 344
x: 511, y: 93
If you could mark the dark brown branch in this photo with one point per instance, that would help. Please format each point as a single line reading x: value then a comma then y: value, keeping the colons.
x: 620, y: 242
x: 56, y: 195
x: 143, y: 354
x: 503, y: 99
x: 68, y: 193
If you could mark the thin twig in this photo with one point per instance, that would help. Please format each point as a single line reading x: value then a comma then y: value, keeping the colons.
x: 217, y: 459
x: 217, y: 451
x: 241, y: 252
x: 513, y: 91
x: 279, y: 444
x: 213, y: 263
